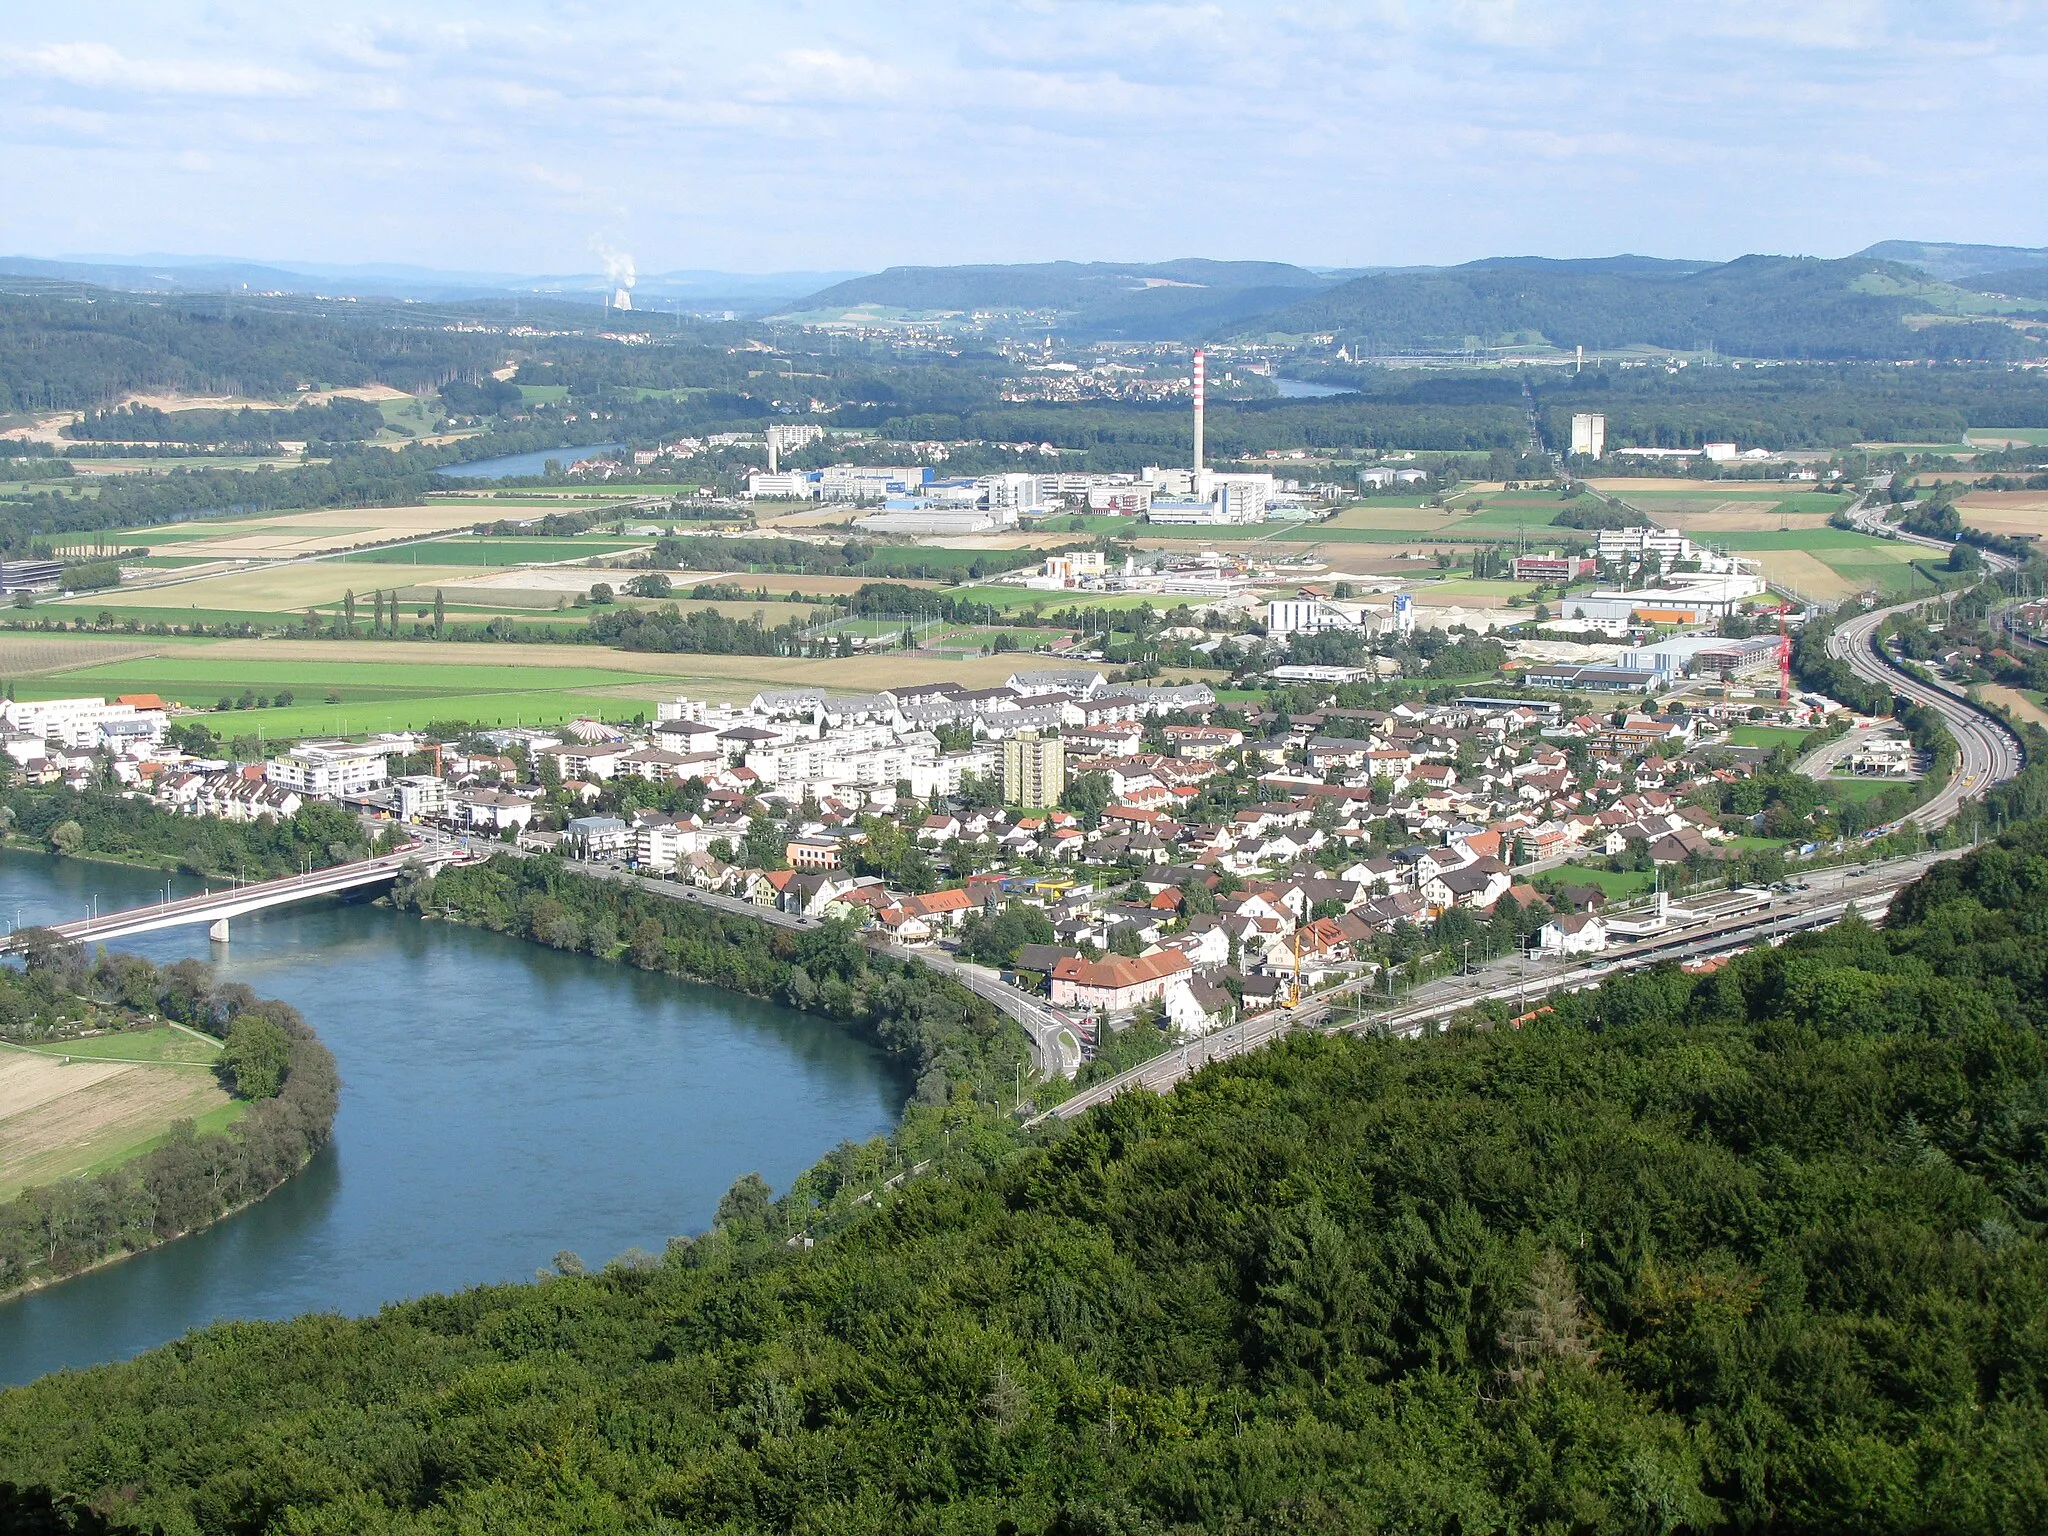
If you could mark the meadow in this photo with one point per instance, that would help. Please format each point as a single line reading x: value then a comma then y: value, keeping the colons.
x: 381, y: 685
x: 80, y: 1106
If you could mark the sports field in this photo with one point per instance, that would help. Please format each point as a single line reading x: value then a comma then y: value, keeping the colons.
x: 79, y: 1106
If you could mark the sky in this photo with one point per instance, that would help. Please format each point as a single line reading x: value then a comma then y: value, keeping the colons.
x: 849, y: 134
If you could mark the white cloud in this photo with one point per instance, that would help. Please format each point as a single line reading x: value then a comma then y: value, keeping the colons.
x: 1344, y: 131
x: 97, y: 66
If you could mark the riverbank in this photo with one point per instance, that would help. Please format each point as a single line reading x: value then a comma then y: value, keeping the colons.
x: 969, y: 1060
x: 189, y: 1179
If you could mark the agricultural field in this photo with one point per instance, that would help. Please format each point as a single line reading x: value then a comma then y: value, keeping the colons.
x: 2011, y: 512
x: 2024, y: 706
x: 1832, y: 563
x: 267, y: 591
x: 290, y: 535
x: 395, y: 685
x: 467, y: 549
x: 2007, y: 437
x: 80, y: 1106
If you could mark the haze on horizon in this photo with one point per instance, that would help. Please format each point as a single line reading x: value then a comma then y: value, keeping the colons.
x: 792, y: 135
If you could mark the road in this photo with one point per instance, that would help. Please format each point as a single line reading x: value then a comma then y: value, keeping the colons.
x: 1054, y: 1045
x: 1988, y: 752
x: 1518, y: 979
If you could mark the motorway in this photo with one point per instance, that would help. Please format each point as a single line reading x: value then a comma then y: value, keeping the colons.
x: 1988, y: 752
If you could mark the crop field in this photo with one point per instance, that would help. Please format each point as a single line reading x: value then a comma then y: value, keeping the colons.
x: 1463, y: 592
x: 25, y: 655
x: 469, y: 550
x: 265, y: 590
x: 2025, y: 706
x: 2010, y: 512
x: 2007, y: 437
x: 60, y: 1118
x: 282, y: 535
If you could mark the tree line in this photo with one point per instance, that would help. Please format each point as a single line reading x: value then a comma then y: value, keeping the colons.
x: 270, y: 1057
x: 1761, y: 1248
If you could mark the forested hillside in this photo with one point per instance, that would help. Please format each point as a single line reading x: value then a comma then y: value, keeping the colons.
x: 1135, y: 300
x: 63, y: 353
x: 1755, y: 306
x: 1779, y: 408
x: 1758, y: 1249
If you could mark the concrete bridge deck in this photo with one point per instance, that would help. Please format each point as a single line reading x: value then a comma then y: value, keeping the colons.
x: 216, y: 908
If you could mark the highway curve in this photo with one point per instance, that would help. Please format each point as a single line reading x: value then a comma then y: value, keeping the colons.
x: 1989, y: 753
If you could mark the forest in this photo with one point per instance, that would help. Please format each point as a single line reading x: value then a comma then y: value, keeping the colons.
x: 271, y: 1057
x: 1754, y: 306
x: 1755, y: 1248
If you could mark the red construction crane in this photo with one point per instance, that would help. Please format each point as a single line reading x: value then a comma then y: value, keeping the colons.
x: 1784, y: 655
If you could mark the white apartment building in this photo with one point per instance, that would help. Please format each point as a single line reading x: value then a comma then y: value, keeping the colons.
x: 330, y: 769
x: 420, y: 797
x: 1016, y: 494
x: 83, y: 724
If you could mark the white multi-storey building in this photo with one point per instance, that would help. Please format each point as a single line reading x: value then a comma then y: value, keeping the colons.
x: 330, y: 769
x: 83, y: 724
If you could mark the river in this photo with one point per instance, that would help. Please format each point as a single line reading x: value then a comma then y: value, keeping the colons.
x: 521, y: 465
x: 500, y: 1102
x: 1303, y: 389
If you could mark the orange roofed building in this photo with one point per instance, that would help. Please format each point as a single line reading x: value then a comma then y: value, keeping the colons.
x: 1113, y: 983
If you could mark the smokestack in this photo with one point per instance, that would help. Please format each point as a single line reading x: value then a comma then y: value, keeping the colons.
x: 772, y: 466
x: 1200, y: 366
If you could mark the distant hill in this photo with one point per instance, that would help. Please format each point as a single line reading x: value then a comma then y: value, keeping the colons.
x: 1954, y: 263
x: 1135, y: 300
x: 1755, y: 306
x: 691, y: 290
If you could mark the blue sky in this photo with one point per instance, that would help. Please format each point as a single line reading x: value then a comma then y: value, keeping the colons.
x: 809, y: 134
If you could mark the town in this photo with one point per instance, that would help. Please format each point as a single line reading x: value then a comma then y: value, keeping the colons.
x: 1124, y: 851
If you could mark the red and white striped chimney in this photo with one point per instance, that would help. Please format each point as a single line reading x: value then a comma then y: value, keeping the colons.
x: 1200, y: 365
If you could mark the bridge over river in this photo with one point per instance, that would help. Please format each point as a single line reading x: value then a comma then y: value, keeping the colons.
x: 217, y: 908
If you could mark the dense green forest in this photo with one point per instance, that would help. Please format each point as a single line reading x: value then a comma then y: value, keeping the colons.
x: 1754, y: 306
x: 270, y: 1056
x: 76, y: 353
x: 1754, y: 1249
x: 338, y: 421
x: 1136, y: 301
x: 1805, y: 407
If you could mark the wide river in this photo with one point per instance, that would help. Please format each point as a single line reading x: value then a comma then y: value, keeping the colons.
x: 500, y: 1102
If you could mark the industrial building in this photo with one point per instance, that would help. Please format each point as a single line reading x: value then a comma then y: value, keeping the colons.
x: 1589, y: 436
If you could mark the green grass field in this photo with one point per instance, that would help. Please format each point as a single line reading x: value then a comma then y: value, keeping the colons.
x: 1855, y: 791
x: 1619, y: 887
x: 2033, y: 435
x: 1813, y: 540
x: 374, y: 696
x: 1768, y: 736
x: 163, y: 1044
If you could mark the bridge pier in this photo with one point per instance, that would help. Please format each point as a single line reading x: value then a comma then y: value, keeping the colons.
x: 219, y: 931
